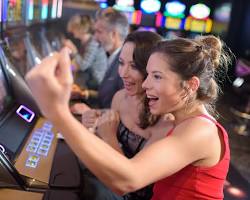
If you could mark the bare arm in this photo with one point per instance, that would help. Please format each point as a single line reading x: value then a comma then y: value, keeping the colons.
x: 52, y: 79
x: 108, y: 123
x: 123, y: 175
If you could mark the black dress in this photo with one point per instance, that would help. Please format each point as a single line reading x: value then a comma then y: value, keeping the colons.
x: 131, y: 144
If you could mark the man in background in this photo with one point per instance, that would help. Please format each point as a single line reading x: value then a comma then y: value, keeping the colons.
x: 111, y: 28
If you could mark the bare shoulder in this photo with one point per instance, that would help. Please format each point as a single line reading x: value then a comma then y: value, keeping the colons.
x: 197, y: 127
x: 198, y: 135
x: 159, y: 130
x: 118, y: 99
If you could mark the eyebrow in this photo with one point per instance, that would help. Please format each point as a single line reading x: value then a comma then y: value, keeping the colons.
x: 131, y: 62
x: 157, y: 72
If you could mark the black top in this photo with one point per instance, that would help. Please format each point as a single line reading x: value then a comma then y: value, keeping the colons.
x: 131, y: 144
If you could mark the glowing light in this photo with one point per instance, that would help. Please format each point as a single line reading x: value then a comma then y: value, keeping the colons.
x: 129, y: 16
x: 158, y: 20
x: 236, y: 192
x: 59, y: 8
x: 37, y: 60
x: 173, y: 23
x: 5, y: 11
x: 125, y: 2
x: 2, y: 148
x: 103, y: 5
x: 44, y: 9
x: 136, y: 18
x: 150, y: 6
x: 31, y: 10
x: 25, y: 113
x: 124, y: 5
x: 198, y: 25
x: 53, y: 10
x: 1, y: 11
x: 223, y: 12
x: 199, y: 11
x: 175, y: 9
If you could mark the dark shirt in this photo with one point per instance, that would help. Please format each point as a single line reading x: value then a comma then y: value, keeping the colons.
x: 110, y: 84
x: 131, y: 144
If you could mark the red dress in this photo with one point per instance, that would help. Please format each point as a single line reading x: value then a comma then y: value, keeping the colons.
x: 194, y: 182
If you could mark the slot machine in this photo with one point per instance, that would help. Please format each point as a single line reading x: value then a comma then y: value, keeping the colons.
x: 36, y: 36
x: 18, y: 45
x: 174, y: 19
x: 146, y: 18
x: 198, y: 21
x: 53, y: 32
x: 32, y: 158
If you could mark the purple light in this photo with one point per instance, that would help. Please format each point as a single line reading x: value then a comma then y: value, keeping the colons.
x: 25, y: 113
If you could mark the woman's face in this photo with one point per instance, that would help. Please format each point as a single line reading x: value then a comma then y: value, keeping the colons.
x: 131, y: 77
x: 163, y: 86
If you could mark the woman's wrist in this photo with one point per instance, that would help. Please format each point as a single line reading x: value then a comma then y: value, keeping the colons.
x: 60, y: 115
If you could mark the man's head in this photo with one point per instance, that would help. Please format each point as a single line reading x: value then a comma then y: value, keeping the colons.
x: 111, y: 28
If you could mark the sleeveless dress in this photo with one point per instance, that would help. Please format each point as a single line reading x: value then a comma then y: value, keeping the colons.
x: 131, y: 144
x: 194, y: 182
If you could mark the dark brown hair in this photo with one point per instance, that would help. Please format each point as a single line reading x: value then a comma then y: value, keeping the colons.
x: 144, y: 42
x: 201, y: 57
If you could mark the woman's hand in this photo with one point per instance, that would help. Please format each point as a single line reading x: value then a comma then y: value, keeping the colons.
x: 78, y: 93
x: 79, y: 108
x: 50, y: 83
x: 69, y: 44
x: 90, y: 117
x: 107, y: 125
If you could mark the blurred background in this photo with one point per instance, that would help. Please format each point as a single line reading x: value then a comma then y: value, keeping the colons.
x: 32, y: 29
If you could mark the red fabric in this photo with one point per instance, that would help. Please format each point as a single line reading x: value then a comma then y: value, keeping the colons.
x: 196, y: 182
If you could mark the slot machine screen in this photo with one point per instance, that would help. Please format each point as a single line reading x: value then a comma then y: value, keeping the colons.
x: 5, y: 97
x: 173, y: 23
x: 198, y: 26
x: 1, y: 4
x: 53, y: 9
x: 45, y: 11
x: 15, y: 14
x: 148, y: 20
x: 6, y: 103
x: 37, y: 10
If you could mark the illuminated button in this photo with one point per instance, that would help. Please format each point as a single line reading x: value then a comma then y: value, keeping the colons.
x: 37, y: 134
x: 44, y: 146
x: 47, y: 137
x: 33, y: 143
x: 46, y: 142
x: 36, y: 138
x: 31, y: 163
x: 49, y: 134
x: 32, y: 149
x: 43, y: 152
x: 34, y: 158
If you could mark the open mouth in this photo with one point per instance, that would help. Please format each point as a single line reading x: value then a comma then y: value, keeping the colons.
x: 152, y: 100
x: 128, y: 85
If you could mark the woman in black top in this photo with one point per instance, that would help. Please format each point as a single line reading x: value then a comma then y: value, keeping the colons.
x: 136, y: 122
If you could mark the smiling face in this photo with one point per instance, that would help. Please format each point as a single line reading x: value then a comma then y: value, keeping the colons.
x: 163, y: 86
x: 103, y: 35
x: 131, y: 77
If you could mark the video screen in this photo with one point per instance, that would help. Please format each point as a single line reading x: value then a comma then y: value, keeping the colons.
x: 15, y: 10
x: 148, y: 20
x: 37, y: 10
x: 17, y: 54
x: 5, y: 98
